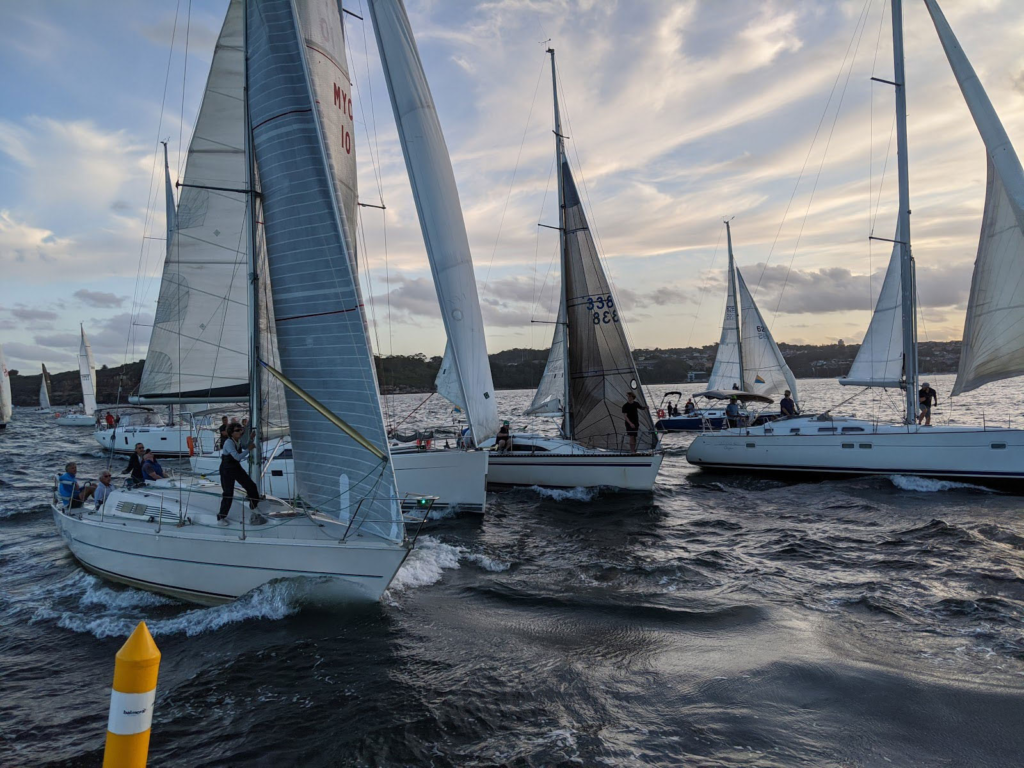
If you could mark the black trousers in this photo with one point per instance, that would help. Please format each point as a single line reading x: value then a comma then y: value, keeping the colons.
x: 232, y: 472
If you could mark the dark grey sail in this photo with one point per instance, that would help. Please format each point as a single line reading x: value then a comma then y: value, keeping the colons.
x: 601, y: 369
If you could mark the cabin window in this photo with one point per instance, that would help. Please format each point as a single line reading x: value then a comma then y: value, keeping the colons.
x: 847, y: 445
x: 285, y: 454
x: 751, y: 445
x: 998, y: 446
x: 795, y: 431
x: 847, y: 430
x: 826, y: 429
x: 277, y: 473
x: 865, y: 445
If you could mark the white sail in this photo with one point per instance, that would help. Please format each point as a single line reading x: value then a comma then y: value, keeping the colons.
x: 547, y: 401
x: 993, y: 341
x: 5, y: 390
x: 198, y: 351
x: 765, y: 371
x: 320, y: 326
x: 728, y: 370
x: 440, y: 213
x: 44, y: 391
x: 87, y: 371
x: 447, y: 380
x: 879, y: 361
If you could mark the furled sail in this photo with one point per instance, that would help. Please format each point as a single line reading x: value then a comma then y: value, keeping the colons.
x: 5, y: 390
x: 601, y: 369
x: 879, y: 361
x: 727, y: 372
x: 44, y: 390
x: 765, y: 371
x: 199, y: 348
x: 547, y: 401
x: 321, y: 331
x: 87, y: 371
x: 993, y: 341
x: 440, y: 213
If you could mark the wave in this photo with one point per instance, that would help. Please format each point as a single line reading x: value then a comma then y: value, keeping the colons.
x: 566, y: 494
x: 431, y: 558
x: 928, y: 485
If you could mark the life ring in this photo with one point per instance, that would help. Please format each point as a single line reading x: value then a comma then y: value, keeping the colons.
x: 661, y: 413
x: 191, y: 445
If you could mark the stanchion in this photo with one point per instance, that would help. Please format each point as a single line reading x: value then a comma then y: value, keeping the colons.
x: 131, y: 701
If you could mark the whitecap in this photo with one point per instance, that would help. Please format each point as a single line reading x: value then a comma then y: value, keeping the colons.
x: 565, y: 494
x: 426, y: 564
x: 928, y: 485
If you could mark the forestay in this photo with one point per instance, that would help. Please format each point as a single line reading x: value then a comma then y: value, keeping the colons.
x: 5, y: 390
x: 993, y: 341
x: 547, y: 400
x: 441, y: 221
x: 44, y: 391
x: 727, y: 372
x: 765, y: 371
x: 601, y: 369
x: 198, y: 351
x: 87, y: 372
x: 879, y: 361
x: 321, y: 330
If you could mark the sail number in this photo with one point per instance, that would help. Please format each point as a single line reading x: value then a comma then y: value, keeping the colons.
x: 603, y: 308
x: 344, y: 102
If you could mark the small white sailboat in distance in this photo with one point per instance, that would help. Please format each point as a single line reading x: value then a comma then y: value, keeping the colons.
x: 597, y: 373
x: 5, y: 392
x: 87, y: 375
x: 44, y: 392
x: 992, y: 348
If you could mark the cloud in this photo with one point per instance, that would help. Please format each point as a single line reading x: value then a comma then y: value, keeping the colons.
x: 31, y: 315
x: 98, y: 298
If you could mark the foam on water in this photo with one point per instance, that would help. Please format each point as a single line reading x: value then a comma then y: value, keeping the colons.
x: 928, y: 485
x: 566, y: 494
x: 431, y: 558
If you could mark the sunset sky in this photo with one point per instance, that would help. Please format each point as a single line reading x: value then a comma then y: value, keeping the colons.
x: 680, y: 114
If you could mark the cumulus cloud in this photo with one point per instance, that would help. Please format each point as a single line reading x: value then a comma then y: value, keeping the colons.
x: 99, y: 298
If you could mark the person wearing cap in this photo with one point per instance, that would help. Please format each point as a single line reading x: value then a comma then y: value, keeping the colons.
x: 926, y: 396
x: 732, y: 412
x: 787, y: 406
x: 503, y: 440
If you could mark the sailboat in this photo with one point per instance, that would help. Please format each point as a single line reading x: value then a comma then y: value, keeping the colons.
x: 44, y: 393
x: 748, y: 365
x: 591, y: 360
x: 87, y: 374
x: 992, y: 348
x: 273, y: 79
x: 5, y: 392
x: 456, y: 476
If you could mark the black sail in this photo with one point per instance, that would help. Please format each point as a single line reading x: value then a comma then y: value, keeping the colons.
x: 601, y: 369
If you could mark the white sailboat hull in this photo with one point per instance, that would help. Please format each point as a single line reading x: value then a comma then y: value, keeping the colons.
x: 76, y: 420
x: 563, y: 464
x: 855, y: 447
x: 210, y: 564
x: 163, y: 441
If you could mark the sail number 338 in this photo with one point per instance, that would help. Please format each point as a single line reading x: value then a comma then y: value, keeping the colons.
x: 603, y: 309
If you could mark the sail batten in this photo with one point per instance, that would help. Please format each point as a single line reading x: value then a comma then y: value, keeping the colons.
x: 466, y: 368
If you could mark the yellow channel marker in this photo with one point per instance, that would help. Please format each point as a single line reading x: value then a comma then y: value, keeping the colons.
x: 131, y: 701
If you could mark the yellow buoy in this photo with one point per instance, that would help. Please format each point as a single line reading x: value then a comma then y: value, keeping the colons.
x: 131, y: 701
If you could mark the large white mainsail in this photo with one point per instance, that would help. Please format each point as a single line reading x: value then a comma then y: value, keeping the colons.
x: 879, y: 361
x: 765, y: 371
x: 87, y: 371
x: 444, y: 231
x: 547, y: 400
x: 44, y: 390
x: 5, y: 390
x: 727, y: 372
x: 993, y: 341
x: 321, y: 329
x: 198, y: 351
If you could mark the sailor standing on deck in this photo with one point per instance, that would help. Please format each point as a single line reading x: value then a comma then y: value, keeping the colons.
x: 232, y: 471
x: 630, y: 412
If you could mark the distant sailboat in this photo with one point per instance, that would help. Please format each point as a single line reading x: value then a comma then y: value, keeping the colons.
x: 44, y: 393
x: 5, y: 392
x: 347, y: 535
x: 87, y: 375
x: 748, y: 365
x: 992, y: 349
x: 596, y: 372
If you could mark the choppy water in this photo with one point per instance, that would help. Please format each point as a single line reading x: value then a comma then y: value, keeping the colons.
x: 723, y: 621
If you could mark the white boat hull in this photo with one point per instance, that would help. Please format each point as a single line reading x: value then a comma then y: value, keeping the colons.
x: 855, y: 447
x: 163, y: 441
x: 76, y: 420
x: 210, y: 564
x: 457, y: 478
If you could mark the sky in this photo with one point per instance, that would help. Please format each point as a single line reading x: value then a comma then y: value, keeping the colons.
x: 679, y: 115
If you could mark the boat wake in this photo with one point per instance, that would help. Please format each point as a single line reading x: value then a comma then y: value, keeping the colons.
x: 928, y: 485
x: 431, y: 558
x: 566, y: 494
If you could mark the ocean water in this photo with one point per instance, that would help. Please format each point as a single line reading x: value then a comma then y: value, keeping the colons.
x: 720, y: 621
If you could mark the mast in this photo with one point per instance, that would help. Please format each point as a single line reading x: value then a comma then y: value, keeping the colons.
x: 559, y: 159
x: 255, y: 370
x: 903, y: 227
x: 733, y: 289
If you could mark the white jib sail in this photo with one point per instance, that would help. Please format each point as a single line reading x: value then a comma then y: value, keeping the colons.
x: 87, y: 371
x: 447, y: 379
x: 5, y: 390
x: 993, y: 341
x: 44, y: 393
x: 547, y: 401
x: 765, y: 371
x: 199, y: 348
x: 727, y: 369
x: 440, y: 212
x: 879, y: 361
